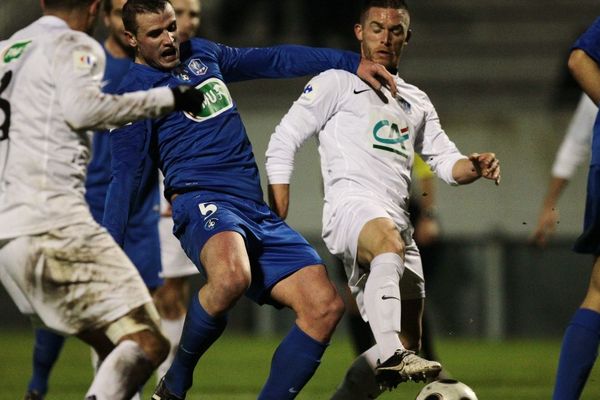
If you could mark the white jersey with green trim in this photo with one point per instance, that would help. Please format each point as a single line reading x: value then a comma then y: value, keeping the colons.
x: 50, y: 96
x: 366, y: 141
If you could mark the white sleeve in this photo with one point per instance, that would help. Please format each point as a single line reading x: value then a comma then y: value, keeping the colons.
x: 435, y: 147
x: 79, y: 63
x: 307, y: 116
x: 576, y: 144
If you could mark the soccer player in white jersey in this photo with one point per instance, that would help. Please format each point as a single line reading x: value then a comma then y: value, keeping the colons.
x: 57, y: 264
x: 573, y: 150
x: 367, y: 144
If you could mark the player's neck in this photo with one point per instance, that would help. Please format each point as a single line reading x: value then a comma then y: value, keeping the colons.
x: 115, y: 49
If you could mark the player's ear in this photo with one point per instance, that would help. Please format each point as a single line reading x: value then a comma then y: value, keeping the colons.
x: 94, y: 7
x: 358, y: 32
x: 408, y: 36
x: 131, y: 40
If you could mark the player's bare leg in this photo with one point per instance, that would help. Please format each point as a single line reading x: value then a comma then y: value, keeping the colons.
x: 318, y: 308
x: 131, y: 348
x: 227, y: 268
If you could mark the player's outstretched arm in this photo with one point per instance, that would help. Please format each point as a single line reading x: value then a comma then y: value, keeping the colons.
x: 279, y: 198
x: 586, y: 72
x: 478, y: 165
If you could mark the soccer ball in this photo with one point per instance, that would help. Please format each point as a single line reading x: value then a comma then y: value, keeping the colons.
x: 446, y: 389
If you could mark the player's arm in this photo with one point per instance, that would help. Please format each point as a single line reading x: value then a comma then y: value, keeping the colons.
x: 129, y: 146
x: 287, y: 61
x: 427, y: 228
x: 319, y: 100
x: 573, y: 150
x: 585, y: 59
x: 78, y: 75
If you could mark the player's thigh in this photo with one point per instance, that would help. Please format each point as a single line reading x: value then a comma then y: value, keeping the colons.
x: 307, y: 290
x: 592, y: 298
x: 378, y: 236
x: 224, y: 257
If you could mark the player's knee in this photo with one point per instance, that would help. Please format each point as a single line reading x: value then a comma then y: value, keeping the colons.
x: 392, y: 244
x: 328, y: 313
x: 155, y: 346
x: 227, y: 289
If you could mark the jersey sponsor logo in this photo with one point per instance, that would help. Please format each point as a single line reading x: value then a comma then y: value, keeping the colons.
x: 389, y: 137
x: 83, y: 60
x: 197, y: 67
x: 14, y: 51
x: 217, y: 100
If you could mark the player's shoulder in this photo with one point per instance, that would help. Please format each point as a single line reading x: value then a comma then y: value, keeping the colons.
x: 411, y: 92
x: 196, y: 46
x: 142, y: 77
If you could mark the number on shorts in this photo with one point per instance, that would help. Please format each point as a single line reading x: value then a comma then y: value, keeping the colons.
x: 207, y: 209
x: 5, y: 106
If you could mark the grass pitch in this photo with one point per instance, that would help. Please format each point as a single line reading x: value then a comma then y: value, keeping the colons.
x: 236, y: 366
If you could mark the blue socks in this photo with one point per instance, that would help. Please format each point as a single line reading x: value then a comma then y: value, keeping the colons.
x: 45, y: 353
x: 200, y: 331
x: 294, y: 363
x: 577, y: 355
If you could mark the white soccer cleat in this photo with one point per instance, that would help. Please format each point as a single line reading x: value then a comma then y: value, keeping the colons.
x: 404, y: 366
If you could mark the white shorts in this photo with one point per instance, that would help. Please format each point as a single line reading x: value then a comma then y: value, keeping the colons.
x: 341, y: 231
x: 175, y: 263
x: 73, y: 279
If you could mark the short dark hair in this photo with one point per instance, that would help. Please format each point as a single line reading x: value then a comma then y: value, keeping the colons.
x: 107, y: 6
x: 66, y: 4
x: 368, y: 4
x: 134, y: 7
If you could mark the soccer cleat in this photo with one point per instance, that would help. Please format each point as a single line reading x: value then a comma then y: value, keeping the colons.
x: 33, y: 395
x: 162, y: 393
x: 404, y: 366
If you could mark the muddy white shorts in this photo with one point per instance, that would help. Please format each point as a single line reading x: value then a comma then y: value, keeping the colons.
x: 73, y: 278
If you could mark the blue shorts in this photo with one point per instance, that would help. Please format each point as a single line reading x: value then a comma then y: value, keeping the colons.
x: 589, y: 240
x: 275, y: 250
x: 142, y: 246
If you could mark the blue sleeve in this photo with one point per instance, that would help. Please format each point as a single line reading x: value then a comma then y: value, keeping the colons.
x: 283, y: 61
x: 590, y: 41
x: 129, y: 148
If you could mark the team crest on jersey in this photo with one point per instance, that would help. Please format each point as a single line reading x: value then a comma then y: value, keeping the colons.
x: 217, y: 100
x: 211, y: 224
x: 197, y: 67
x: 14, y: 51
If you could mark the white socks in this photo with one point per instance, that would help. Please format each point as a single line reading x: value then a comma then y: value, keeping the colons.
x: 382, y: 302
x: 121, y: 374
x: 359, y: 382
x: 172, y: 329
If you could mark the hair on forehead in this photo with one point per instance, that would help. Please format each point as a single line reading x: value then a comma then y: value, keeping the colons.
x: 368, y: 4
x: 134, y: 7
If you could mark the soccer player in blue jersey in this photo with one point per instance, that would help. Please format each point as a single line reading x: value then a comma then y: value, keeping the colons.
x: 212, y: 180
x: 580, y: 342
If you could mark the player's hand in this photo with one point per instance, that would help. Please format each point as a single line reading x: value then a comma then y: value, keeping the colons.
x: 546, y: 226
x: 376, y: 76
x: 427, y: 231
x: 486, y: 165
x: 188, y: 99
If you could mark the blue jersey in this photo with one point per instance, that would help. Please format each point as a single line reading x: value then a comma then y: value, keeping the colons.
x: 589, y: 42
x: 209, y: 150
x: 145, y: 211
x: 141, y: 242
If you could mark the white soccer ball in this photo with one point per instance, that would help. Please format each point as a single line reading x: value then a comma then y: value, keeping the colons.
x: 446, y: 389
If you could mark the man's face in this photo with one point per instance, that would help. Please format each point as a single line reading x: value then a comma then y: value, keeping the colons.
x: 188, y: 18
x: 383, y: 34
x: 114, y: 23
x: 156, y: 42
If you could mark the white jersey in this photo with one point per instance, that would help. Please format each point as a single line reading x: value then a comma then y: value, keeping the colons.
x: 50, y: 96
x: 577, y: 142
x: 366, y: 145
